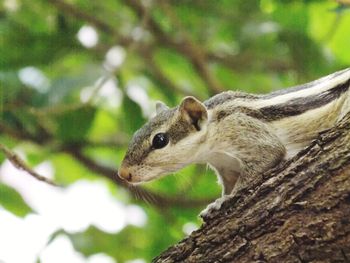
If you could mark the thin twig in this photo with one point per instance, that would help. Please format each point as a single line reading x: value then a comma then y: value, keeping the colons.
x: 195, y: 53
x: 15, y: 133
x: 76, y: 12
x: 232, y: 62
x: 20, y: 164
x: 158, y: 200
x: 187, y: 48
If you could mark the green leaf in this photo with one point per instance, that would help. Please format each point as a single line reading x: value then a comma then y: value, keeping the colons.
x: 341, y: 39
x: 180, y: 71
x: 74, y: 125
x: 132, y: 115
x: 10, y: 86
x: 293, y: 16
x: 121, y: 246
x: 104, y: 125
x: 13, y: 201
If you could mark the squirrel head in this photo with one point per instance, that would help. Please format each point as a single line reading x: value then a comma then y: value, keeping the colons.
x: 167, y: 142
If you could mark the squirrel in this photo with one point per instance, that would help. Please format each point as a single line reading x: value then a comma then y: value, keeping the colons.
x: 239, y: 135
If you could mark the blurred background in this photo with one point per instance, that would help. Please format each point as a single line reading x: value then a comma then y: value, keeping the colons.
x: 78, y: 78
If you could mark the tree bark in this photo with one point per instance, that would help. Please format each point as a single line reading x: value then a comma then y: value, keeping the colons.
x: 297, y: 212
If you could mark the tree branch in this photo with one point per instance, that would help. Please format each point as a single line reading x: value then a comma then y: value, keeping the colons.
x: 20, y: 164
x: 78, y: 13
x: 297, y: 212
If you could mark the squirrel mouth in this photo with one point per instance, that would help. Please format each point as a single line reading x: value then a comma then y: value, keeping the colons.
x: 138, y: 178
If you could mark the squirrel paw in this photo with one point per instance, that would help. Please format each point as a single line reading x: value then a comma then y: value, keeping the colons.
x: 214, y: 206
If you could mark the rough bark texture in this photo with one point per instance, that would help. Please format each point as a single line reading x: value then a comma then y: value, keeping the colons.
x: 299, y: 212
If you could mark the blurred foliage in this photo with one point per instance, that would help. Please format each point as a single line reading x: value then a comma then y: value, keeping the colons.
x: 59, y: 97
x: 12, y: 201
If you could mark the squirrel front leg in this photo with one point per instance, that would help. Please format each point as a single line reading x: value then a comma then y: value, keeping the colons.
x: 251, y: 149
x: 228, y: 182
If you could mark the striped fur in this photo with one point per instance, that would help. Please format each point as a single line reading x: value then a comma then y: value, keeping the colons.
x: 296, y: 114
x: 241, y: 135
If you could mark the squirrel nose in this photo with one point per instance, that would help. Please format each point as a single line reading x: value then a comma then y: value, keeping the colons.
x: 124, y: 174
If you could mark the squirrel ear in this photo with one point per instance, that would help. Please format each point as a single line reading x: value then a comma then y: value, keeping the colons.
x: 160, y: 106
x: 193, y: 111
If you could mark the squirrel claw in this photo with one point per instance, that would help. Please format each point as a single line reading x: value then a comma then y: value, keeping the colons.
x: 216, y: 205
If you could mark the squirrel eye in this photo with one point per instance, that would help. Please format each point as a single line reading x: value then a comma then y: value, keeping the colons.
x: 160, y: 140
